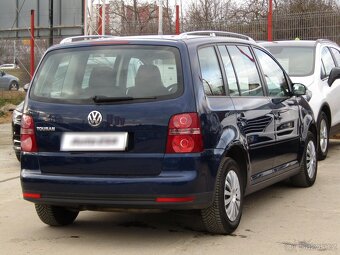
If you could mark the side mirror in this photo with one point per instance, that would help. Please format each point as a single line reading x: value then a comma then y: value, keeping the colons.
x: 334, y: 75
x: 26, y: 86
x: 301, y: 90
x: 2, y: 73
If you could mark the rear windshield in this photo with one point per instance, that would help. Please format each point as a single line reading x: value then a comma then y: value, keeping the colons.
x: 109, y: 74
x: 297, y: 61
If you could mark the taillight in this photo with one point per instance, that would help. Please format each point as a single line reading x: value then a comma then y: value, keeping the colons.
x: 27, y: 134
x: 32, y: 195
x: 184, y: 134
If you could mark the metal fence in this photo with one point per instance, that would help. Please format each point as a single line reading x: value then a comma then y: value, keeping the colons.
x: 308, y: 26
x: 305, y: 26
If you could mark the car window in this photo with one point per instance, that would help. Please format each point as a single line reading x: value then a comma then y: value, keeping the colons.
x: 78, y: 75
x: 93, y: 61
x: 229, y: 71
x: 274, y: 76
x: 246, y: 71
x: 133, y: 67
x: 296, y: 60
x: 327, y: 61
x: 336, y: 54
x: 211, y: 72
x: 162, y: 69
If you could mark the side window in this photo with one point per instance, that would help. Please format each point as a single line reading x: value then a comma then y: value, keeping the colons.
x: 229, y: 70
x: 168, y: 70
x: 95, y: 60
x: 59, y: 76
x: 64, y: 71
x: 211, y: 72
x: 327, y: 61
x: 246, y: 71
x: 133, y: 67
x: 336, y: 54
x: 275, y: 78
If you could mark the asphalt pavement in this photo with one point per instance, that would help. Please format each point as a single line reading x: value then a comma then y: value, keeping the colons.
x: 278, y: 220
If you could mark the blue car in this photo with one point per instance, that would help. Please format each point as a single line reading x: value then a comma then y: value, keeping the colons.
x: 8, y: 82
x: 195, y: 121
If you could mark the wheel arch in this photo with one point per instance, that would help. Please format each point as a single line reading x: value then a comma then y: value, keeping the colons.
x: 312, y: 128
x: 11, y: 82
x: 327, y: 110
x: 239, y: 154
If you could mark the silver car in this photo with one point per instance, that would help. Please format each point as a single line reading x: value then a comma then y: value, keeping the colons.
x: 8, y: 82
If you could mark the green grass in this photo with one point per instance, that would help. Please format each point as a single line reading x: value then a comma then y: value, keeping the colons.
x: 15, y: 100
x: 11, y: 97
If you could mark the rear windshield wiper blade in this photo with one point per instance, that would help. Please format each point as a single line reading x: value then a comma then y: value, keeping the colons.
x: 104, y: 99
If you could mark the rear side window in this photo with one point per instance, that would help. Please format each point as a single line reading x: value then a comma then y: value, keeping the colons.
x: 229, y: 71
x: 79, y: 75
x: 336, y: 54
x: 211, y: 72
x: 327, y: 62
x: 246, y: 71
x: 275, y: 78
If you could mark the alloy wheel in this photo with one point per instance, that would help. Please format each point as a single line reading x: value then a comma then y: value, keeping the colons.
x: 323, y: 135
x: 311, y: 159
x: 232, y: 195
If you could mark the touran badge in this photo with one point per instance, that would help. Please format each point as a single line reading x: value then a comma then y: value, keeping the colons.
x: 95, y: 118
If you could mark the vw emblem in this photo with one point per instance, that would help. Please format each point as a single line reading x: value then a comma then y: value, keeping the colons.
x: 95, y: 118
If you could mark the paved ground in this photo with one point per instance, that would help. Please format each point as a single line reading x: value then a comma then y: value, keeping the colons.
x: 277, y: 220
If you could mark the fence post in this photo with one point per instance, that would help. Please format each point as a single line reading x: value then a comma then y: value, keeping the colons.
x: 270, y: 21
x: 177, y: 19
x: 32, y: 44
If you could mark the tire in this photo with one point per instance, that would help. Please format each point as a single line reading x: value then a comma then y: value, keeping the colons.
x: 55, y: 215
x: 216, y: 218
x: 309, y: 164
x: 13, y: 86
x: 323, y: 134
x: 17, y: 154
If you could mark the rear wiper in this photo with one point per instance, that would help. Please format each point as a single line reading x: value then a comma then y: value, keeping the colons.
x: 104, y: 99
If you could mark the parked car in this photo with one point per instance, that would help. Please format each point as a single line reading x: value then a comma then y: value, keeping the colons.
x: 8, y: 82
x: 317, y: 65
x: 195, y: 121
x: 16, y: 125
x: 9, y: 66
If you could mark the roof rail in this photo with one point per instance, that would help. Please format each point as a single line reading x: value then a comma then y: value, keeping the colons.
x: 84, y: 38
x: 213, y: 33
x: 321, y: 40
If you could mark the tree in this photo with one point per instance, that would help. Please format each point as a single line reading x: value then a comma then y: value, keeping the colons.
x: 303, y: 6
x: 208, y: 14
x: 138, y: 17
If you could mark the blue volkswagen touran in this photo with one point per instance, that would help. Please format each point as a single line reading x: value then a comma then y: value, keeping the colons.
x: 194, y: 121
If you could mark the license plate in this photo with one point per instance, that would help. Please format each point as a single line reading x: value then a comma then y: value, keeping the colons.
x: 114, y: 141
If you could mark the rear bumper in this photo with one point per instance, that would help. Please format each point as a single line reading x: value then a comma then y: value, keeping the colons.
x: 194, y: 186
x: 93, y: 192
